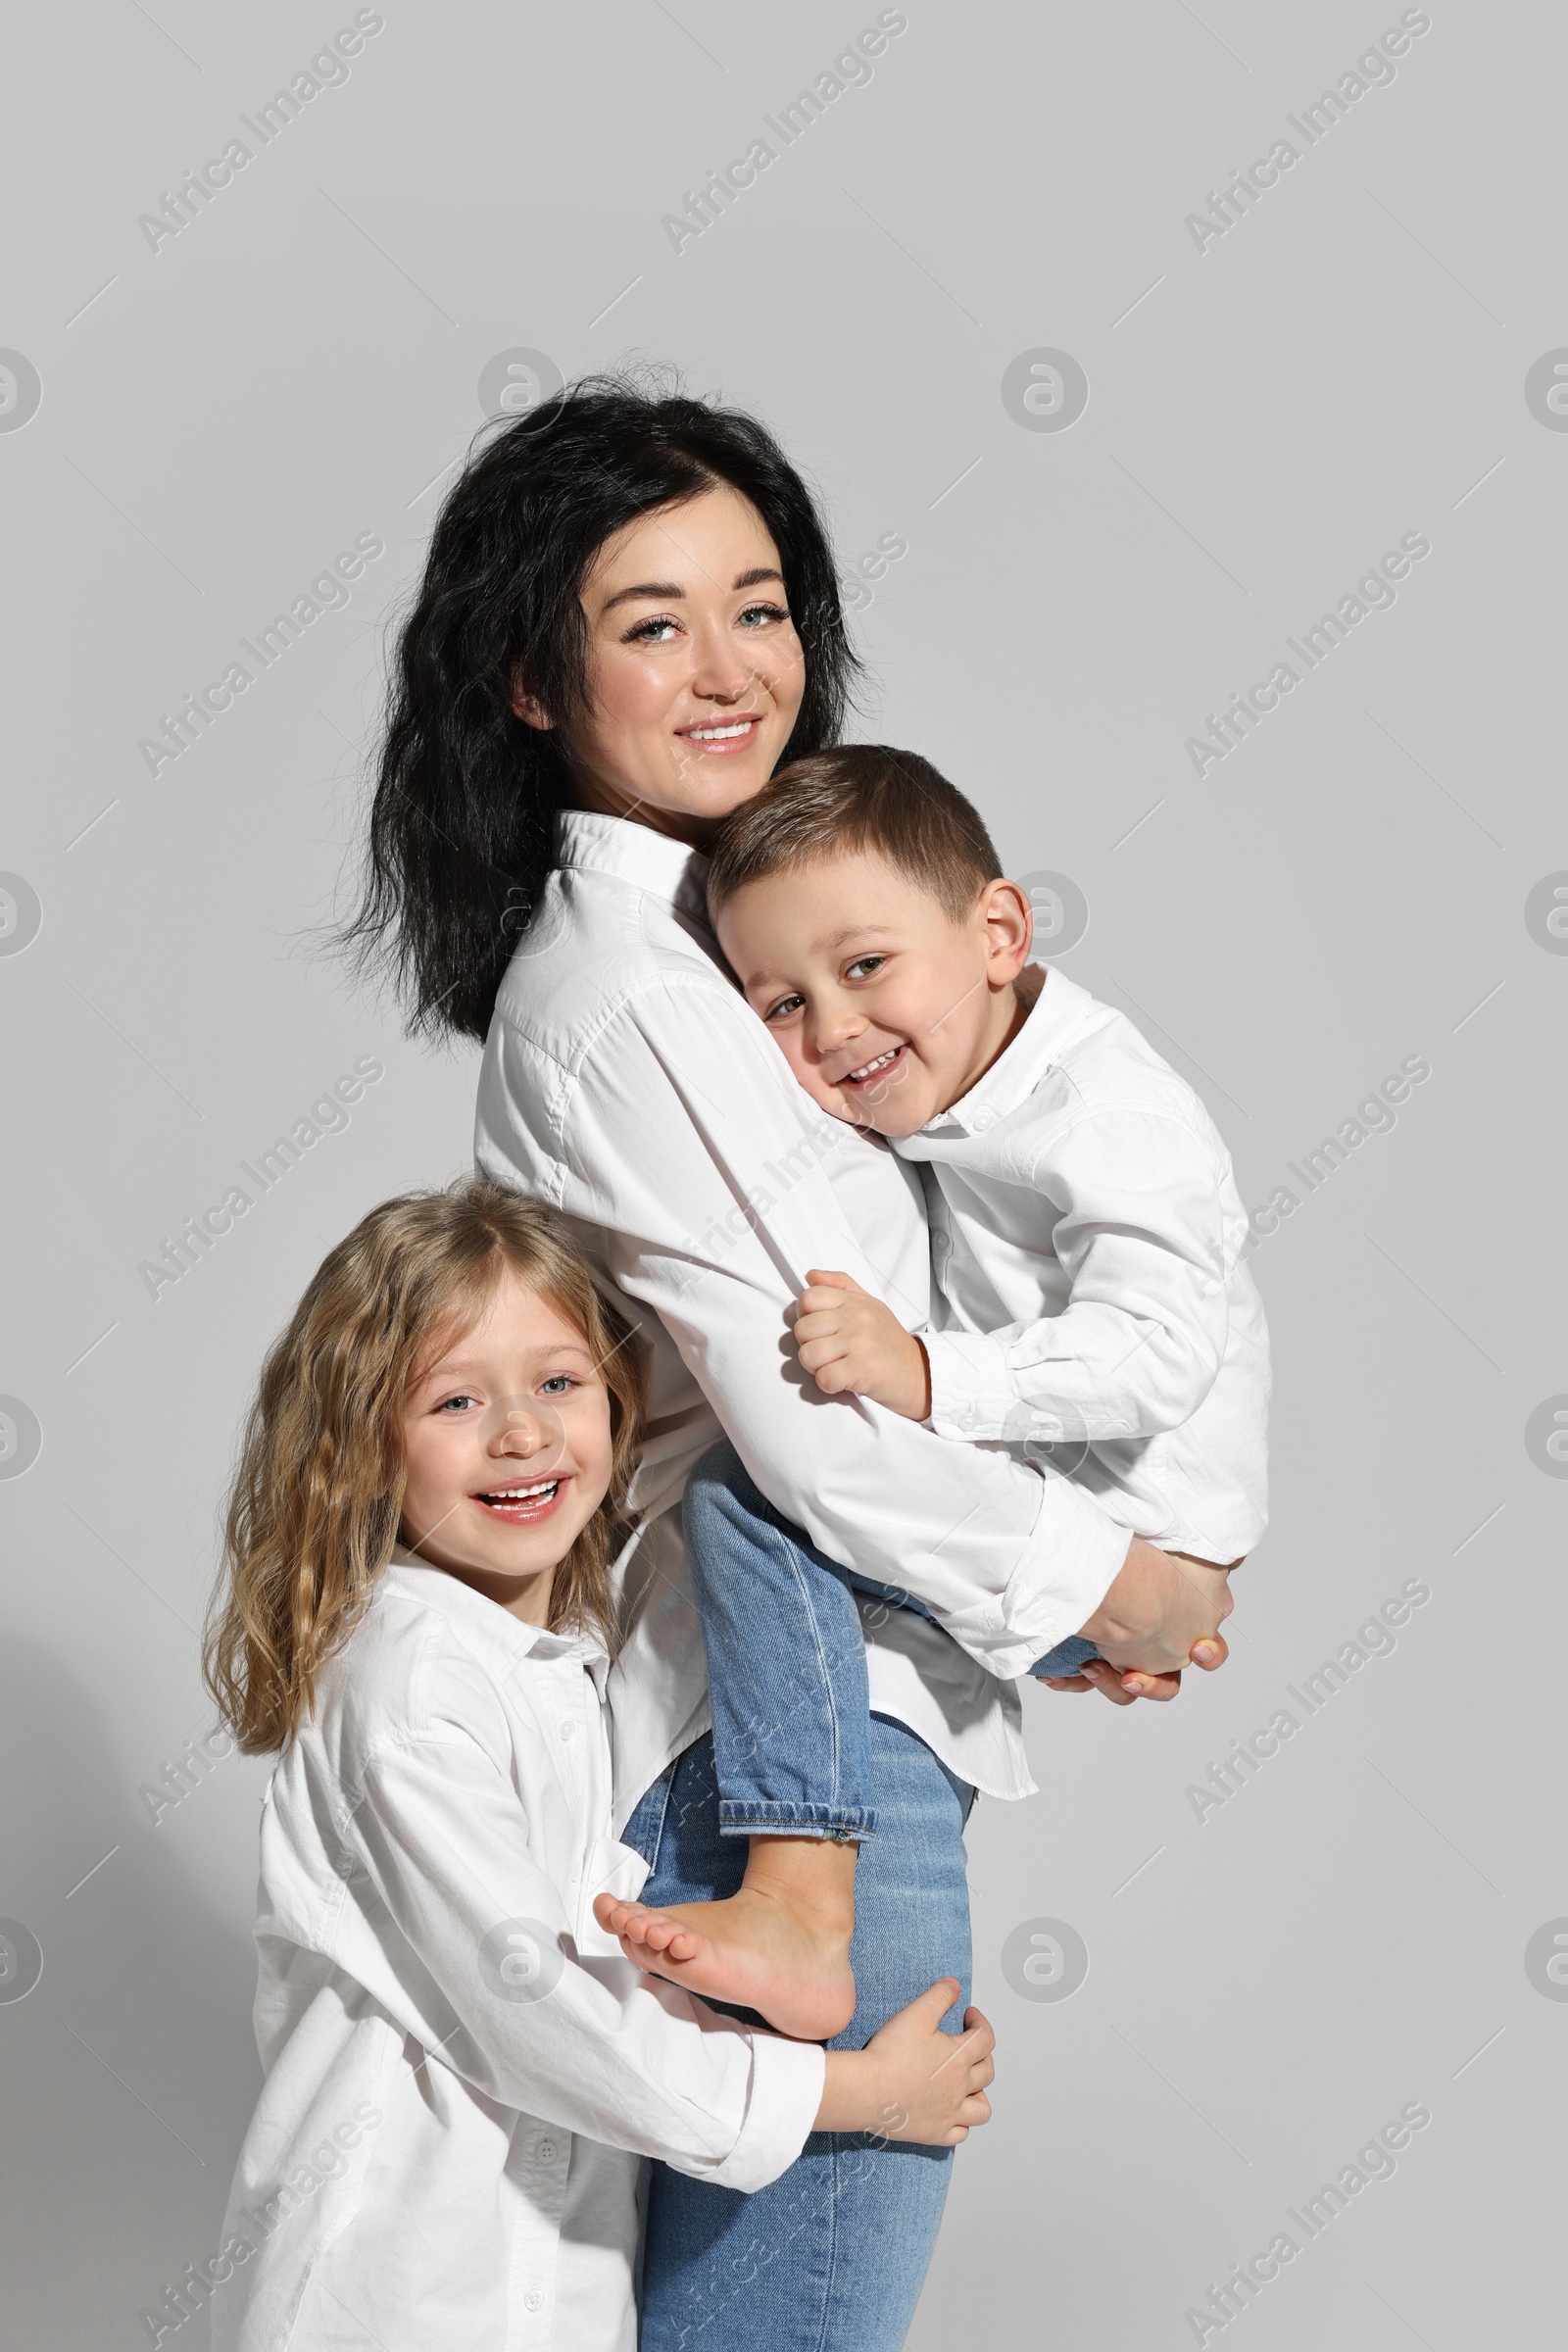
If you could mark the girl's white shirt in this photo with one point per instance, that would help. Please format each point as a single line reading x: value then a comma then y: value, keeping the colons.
x: 462, y: 2073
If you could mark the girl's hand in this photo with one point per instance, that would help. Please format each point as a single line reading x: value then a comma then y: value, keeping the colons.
x: 912, y: 2081
x: 847, y: 1340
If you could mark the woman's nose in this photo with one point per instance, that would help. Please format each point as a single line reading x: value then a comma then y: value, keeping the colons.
x: 722, y: 675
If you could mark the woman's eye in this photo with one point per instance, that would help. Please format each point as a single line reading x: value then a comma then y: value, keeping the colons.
x: 864, y: 966
x: 757, y: 615
x: 657, y: 631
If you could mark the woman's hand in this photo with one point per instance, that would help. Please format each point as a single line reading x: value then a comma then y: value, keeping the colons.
x: 847, y: 1340
x: 1122, y: 1686
x: 1161, y: 1609
x: 912, y: 2081
x: 1162, y: 1614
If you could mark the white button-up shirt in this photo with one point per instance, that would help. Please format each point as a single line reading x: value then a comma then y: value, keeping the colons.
x: 462, y: 2073
x: 1086, y: 1233
x: 627, y: 1081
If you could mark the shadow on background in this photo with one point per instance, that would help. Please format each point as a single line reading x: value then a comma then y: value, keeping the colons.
x: 129, y: 2073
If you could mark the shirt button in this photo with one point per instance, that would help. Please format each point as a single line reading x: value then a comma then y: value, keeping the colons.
x: 569, y: 1730
x: 533, y: 2300
x: 546, y: 2151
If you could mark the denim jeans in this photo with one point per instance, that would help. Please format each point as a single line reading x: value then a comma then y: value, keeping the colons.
x: 832, y: 2256
x: 786, y: 1664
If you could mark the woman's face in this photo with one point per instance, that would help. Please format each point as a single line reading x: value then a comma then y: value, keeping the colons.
x: 695, y: 673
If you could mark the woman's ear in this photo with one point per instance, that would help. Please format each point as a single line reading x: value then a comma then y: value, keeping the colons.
x: 526, y: 705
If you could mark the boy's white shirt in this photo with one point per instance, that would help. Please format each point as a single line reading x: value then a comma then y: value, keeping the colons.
x: 462, y: 2073
x: 1086, y: 1238
x: 627, y: 1081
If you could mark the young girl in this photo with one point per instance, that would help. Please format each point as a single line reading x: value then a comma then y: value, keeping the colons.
x: 462, y: 2072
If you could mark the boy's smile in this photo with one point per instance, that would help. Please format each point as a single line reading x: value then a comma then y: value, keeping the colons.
x: 888, y: 1008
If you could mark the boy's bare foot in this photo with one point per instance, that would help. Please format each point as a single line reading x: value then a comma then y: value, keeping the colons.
x: 781, y: 1947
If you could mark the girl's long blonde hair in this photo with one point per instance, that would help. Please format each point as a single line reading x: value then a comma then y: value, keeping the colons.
x: 317, y: 1494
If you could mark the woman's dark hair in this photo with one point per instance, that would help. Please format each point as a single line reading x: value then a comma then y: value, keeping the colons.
x: 466, y: 793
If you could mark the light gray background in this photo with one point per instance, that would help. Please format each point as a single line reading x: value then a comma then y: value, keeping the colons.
x: 1346, y: 364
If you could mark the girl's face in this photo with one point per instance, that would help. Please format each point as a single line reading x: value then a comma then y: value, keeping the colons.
x: 695, y: 673
x: 507, y: 1447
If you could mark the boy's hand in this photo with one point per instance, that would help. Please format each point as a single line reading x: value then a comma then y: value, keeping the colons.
x: 847, y: 1340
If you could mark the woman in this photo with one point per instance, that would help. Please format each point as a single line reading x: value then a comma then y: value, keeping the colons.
x: 629, y: 619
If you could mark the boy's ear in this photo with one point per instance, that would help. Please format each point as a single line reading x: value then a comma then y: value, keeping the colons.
x: 526, y: 705
x: 1008, y: 916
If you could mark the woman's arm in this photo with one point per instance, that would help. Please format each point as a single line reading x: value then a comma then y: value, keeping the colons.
x: 678, y: 1134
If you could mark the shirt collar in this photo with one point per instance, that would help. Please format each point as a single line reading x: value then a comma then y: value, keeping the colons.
x: 432, y: 1589
x: 1055, y: 1014
x: 667, y: 871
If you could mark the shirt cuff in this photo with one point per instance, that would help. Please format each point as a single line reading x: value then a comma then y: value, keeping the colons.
x: 787, y: 2079
x: 972, y: 1389
x: 1074, y: 1553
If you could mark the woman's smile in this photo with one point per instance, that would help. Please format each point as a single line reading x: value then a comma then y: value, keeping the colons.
x: 720, y: 738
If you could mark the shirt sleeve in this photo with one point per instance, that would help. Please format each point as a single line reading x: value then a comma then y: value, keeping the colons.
x: 683, y: 1139
x: 1133, y: 1204
x: 455, y: 1926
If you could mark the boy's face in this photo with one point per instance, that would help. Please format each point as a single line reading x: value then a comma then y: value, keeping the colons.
x: 888, y: 1008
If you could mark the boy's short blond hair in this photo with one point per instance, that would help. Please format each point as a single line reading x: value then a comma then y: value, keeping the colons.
x: 860, y: 796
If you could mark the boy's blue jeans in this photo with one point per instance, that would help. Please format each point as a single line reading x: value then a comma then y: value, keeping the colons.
x: 786, y: 1664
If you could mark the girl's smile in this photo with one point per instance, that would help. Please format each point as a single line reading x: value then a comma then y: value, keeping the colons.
x: 524, y: 1505
x: 507, y: 1449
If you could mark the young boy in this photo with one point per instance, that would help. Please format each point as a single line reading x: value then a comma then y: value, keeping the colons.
x: 1086, y: 1232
